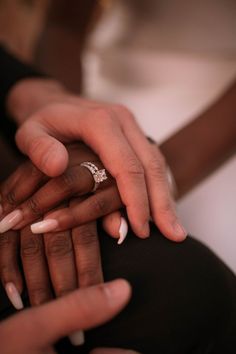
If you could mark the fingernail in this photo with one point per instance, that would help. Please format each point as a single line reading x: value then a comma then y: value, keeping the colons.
x: 14, y: 296
x: 123, y: 230
x: 117, y: 290
x: 179, y: 230
x: 44, y: 226
x: 146, y: 230
x: 10, y: 220
x: 77, y: 338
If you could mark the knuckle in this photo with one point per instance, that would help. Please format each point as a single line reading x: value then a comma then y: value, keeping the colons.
x: 156, y: 167
x: 11, y: 198
x: 68, y: 181
x: 59, y: 246
x: 62, y: 290
x: 31, y: 248
x: 123, y: 110
x: 165, y: 210
x: 38, y: 294
x: 34, y: 207
x: 99, y: 205
x: 6, y: 272
x: 85, y: 237
x: 88, y: 273
x: 134, y: 168
x: 5, y: 240
x: 105, y: 114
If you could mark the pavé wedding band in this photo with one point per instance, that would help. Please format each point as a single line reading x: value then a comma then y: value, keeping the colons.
x: 98, y: 175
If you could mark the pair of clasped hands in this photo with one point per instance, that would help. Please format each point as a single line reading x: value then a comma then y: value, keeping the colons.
x: 48, y: 211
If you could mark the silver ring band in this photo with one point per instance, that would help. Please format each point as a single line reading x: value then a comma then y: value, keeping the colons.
x: 98, y: 175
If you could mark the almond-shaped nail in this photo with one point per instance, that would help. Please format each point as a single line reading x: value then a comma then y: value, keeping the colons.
x: 10, y: 220
x: 77, y: 338
x: 44, y: 226
x: 14, y: 296
x: 123, y: 230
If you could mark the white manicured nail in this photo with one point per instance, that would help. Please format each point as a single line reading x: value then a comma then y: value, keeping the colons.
x: 44, y: 226
x: 123, y: 230
x: 77, y: 338
x: 10, y: 221
x: 14, y: 296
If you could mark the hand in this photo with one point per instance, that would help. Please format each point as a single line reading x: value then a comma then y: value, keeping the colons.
x: 60, y: 262
x: 29, y: 201
x: 56, y: 117
x: 36, y: 330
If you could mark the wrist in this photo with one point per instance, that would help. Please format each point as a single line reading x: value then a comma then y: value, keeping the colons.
x: 29, y: 95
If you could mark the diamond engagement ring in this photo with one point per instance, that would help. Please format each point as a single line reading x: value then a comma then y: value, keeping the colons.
x: 98, y: 175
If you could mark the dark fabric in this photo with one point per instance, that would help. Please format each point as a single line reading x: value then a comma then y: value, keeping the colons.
x: 12, y: 70
x: 183, y: 299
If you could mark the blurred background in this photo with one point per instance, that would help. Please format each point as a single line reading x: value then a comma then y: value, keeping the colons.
x: 167, y: 60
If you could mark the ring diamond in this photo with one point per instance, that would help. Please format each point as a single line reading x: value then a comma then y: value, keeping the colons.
x: 98, y: 175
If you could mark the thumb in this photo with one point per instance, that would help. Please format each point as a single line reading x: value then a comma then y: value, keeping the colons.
x: 46, y: 152
x: 80, y: 310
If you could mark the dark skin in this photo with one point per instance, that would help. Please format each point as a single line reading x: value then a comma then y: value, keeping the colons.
x: 210, y: 138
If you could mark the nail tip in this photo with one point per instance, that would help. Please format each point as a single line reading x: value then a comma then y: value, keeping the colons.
x: 14, y: 296
x: 123, y: 231
x: 10, y: 220
x: 77, y: 338
x: 44, y: 226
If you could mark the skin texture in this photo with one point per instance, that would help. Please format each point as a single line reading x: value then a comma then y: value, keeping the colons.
x: 81, y: 310
x: 59, y: 260
x: 44, y: 109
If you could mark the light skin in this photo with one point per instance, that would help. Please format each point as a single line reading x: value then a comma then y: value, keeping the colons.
x: 43, y: 109
x: 74, y: 254
x: 60, y: 260
x: 81, y: 310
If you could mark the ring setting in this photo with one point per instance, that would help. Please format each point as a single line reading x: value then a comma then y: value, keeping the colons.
x: 98, y: 175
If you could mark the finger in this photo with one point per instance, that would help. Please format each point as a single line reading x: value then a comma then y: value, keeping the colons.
x: 61, y: 262
x: 112, y: 351
x: 119, y: 159
x: 82, y: 309
x: 116, y: 226
x: 15, y: 189
x: 162, y: 204
x: 102, y: 203
x: 9, y: 269
x: 35, y: 267
x: 77, y: 180
x: 87, y: 253
x: 46, y: 152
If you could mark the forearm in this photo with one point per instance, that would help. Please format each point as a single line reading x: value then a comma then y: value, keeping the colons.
x: 202, y: 145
